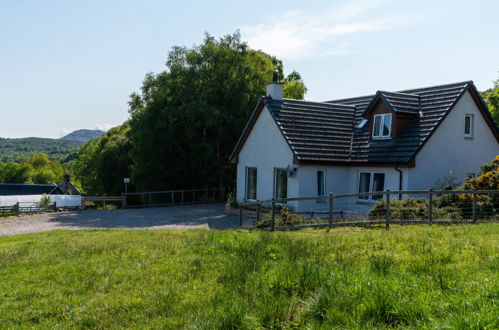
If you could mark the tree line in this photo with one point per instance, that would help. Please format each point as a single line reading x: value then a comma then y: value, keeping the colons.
x: 37, y: 169
x: 182, y: 124
x: 185, y: 121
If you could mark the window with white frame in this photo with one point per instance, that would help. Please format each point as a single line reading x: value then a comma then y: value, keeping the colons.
x: 251, y: 176
x: 382, y: 127
x: 280, y: 183
x: 321, y: 183
x: 468, y: 125
x: 371, y: 182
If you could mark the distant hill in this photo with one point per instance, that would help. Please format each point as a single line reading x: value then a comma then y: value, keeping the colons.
x: 82, y: 135
x: 14, y: 150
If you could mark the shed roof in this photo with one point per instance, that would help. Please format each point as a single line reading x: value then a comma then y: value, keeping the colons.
x: 10, y: 189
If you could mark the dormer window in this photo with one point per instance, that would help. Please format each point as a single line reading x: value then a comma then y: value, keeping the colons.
x: 382, y: 126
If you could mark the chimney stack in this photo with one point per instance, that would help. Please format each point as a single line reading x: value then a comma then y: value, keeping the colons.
x: 274, y: 88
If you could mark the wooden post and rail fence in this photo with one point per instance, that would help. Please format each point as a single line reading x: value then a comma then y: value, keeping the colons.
x: 160, y: 198
x: 259, y: 205
x: 28, y: 208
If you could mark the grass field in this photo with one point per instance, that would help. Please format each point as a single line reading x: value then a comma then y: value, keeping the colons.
x: 411, y: 277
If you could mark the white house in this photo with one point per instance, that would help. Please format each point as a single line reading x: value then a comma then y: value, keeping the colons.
x: 403, y: 140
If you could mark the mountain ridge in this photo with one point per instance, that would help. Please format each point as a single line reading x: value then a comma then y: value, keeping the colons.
x: 82, y: 135
x: 17, y: 149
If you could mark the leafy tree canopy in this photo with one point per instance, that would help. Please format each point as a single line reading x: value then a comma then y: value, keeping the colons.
x: 488, y: 179
x: 188, y: 118
x: 103, y: 162
x: 39, y: 169
x: 294, y: 87
x: 491, y: 97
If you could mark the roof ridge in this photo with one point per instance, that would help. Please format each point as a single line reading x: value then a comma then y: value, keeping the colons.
x: 317, y: 102
x: 466, y: 82
x: 399, y: 93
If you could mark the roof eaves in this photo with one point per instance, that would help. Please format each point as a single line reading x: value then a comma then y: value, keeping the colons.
x: 427, y: 138
x: 249, y: 123
x: 371, y: 104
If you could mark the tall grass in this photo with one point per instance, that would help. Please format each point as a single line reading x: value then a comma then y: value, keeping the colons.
x: 410, y: 277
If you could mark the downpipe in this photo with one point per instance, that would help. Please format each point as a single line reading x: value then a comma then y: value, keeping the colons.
x: 400, y: 179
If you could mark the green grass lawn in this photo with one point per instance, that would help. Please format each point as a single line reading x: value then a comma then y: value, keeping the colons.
x: 410, y: 276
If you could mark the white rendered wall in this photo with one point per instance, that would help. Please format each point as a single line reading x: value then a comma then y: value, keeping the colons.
x: 32, y: 200
x: 336, y: 182
x: 264, y: 149
x: 448, y: 149
x: 343, y: 180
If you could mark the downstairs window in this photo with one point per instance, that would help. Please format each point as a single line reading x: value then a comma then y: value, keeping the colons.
x: 251, y: 175
x: 371, y: 182
x: 280, y: 183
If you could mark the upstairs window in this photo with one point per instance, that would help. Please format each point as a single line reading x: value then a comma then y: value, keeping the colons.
x: 382, y: 127
x: 468, y: 126
x: 251, y: 174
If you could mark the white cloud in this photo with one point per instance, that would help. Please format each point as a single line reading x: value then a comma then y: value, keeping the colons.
x: 296, y: 35
x: 105, y: 127
x: 64, y: 132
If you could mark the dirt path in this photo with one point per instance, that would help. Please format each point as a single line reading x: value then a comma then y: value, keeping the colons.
x: 176, y: 217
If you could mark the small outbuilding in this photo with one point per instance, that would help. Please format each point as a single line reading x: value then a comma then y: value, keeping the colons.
x: 65, y: 187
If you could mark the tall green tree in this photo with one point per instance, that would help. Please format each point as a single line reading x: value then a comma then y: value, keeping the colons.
x: 294, y: 87
x: 188, y: 118
x: 103, y: 162
x: 491, y: 97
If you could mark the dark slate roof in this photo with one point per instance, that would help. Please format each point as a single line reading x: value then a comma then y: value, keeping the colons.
x: 313, y: 128
x: 9, y: 189
x: 400, y: 102
x: 435, y: 103
x: 326, y: 131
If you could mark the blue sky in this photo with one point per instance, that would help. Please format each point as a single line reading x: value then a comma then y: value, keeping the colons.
x: 66, y: 65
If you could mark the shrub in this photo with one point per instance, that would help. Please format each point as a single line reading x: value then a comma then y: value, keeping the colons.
x: 45, y: 202
x: 231, y: 201
x: 285, y: 218
x: 405, y: 209
x: 444, y: 207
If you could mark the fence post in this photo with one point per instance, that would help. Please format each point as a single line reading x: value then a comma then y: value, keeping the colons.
x: 240, y: 215
x: 123, y: 201
x: 387, y: 209
x: 474, y: 206
x: 150, y: 199
x: 330, y: 210
x: 104, y: 201
x: 257, y: 210
x: 272, y: 211
x: 182, y: 198
x: 430, y: 206
x: 16, y: 209
x: 173, y: 198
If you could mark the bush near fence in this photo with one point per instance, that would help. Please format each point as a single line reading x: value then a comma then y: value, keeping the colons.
x: 439, y: 206
x: 285, y: 218
x: 445, y: 207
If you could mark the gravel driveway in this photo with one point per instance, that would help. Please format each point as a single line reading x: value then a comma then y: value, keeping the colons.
x: 210, y: 216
